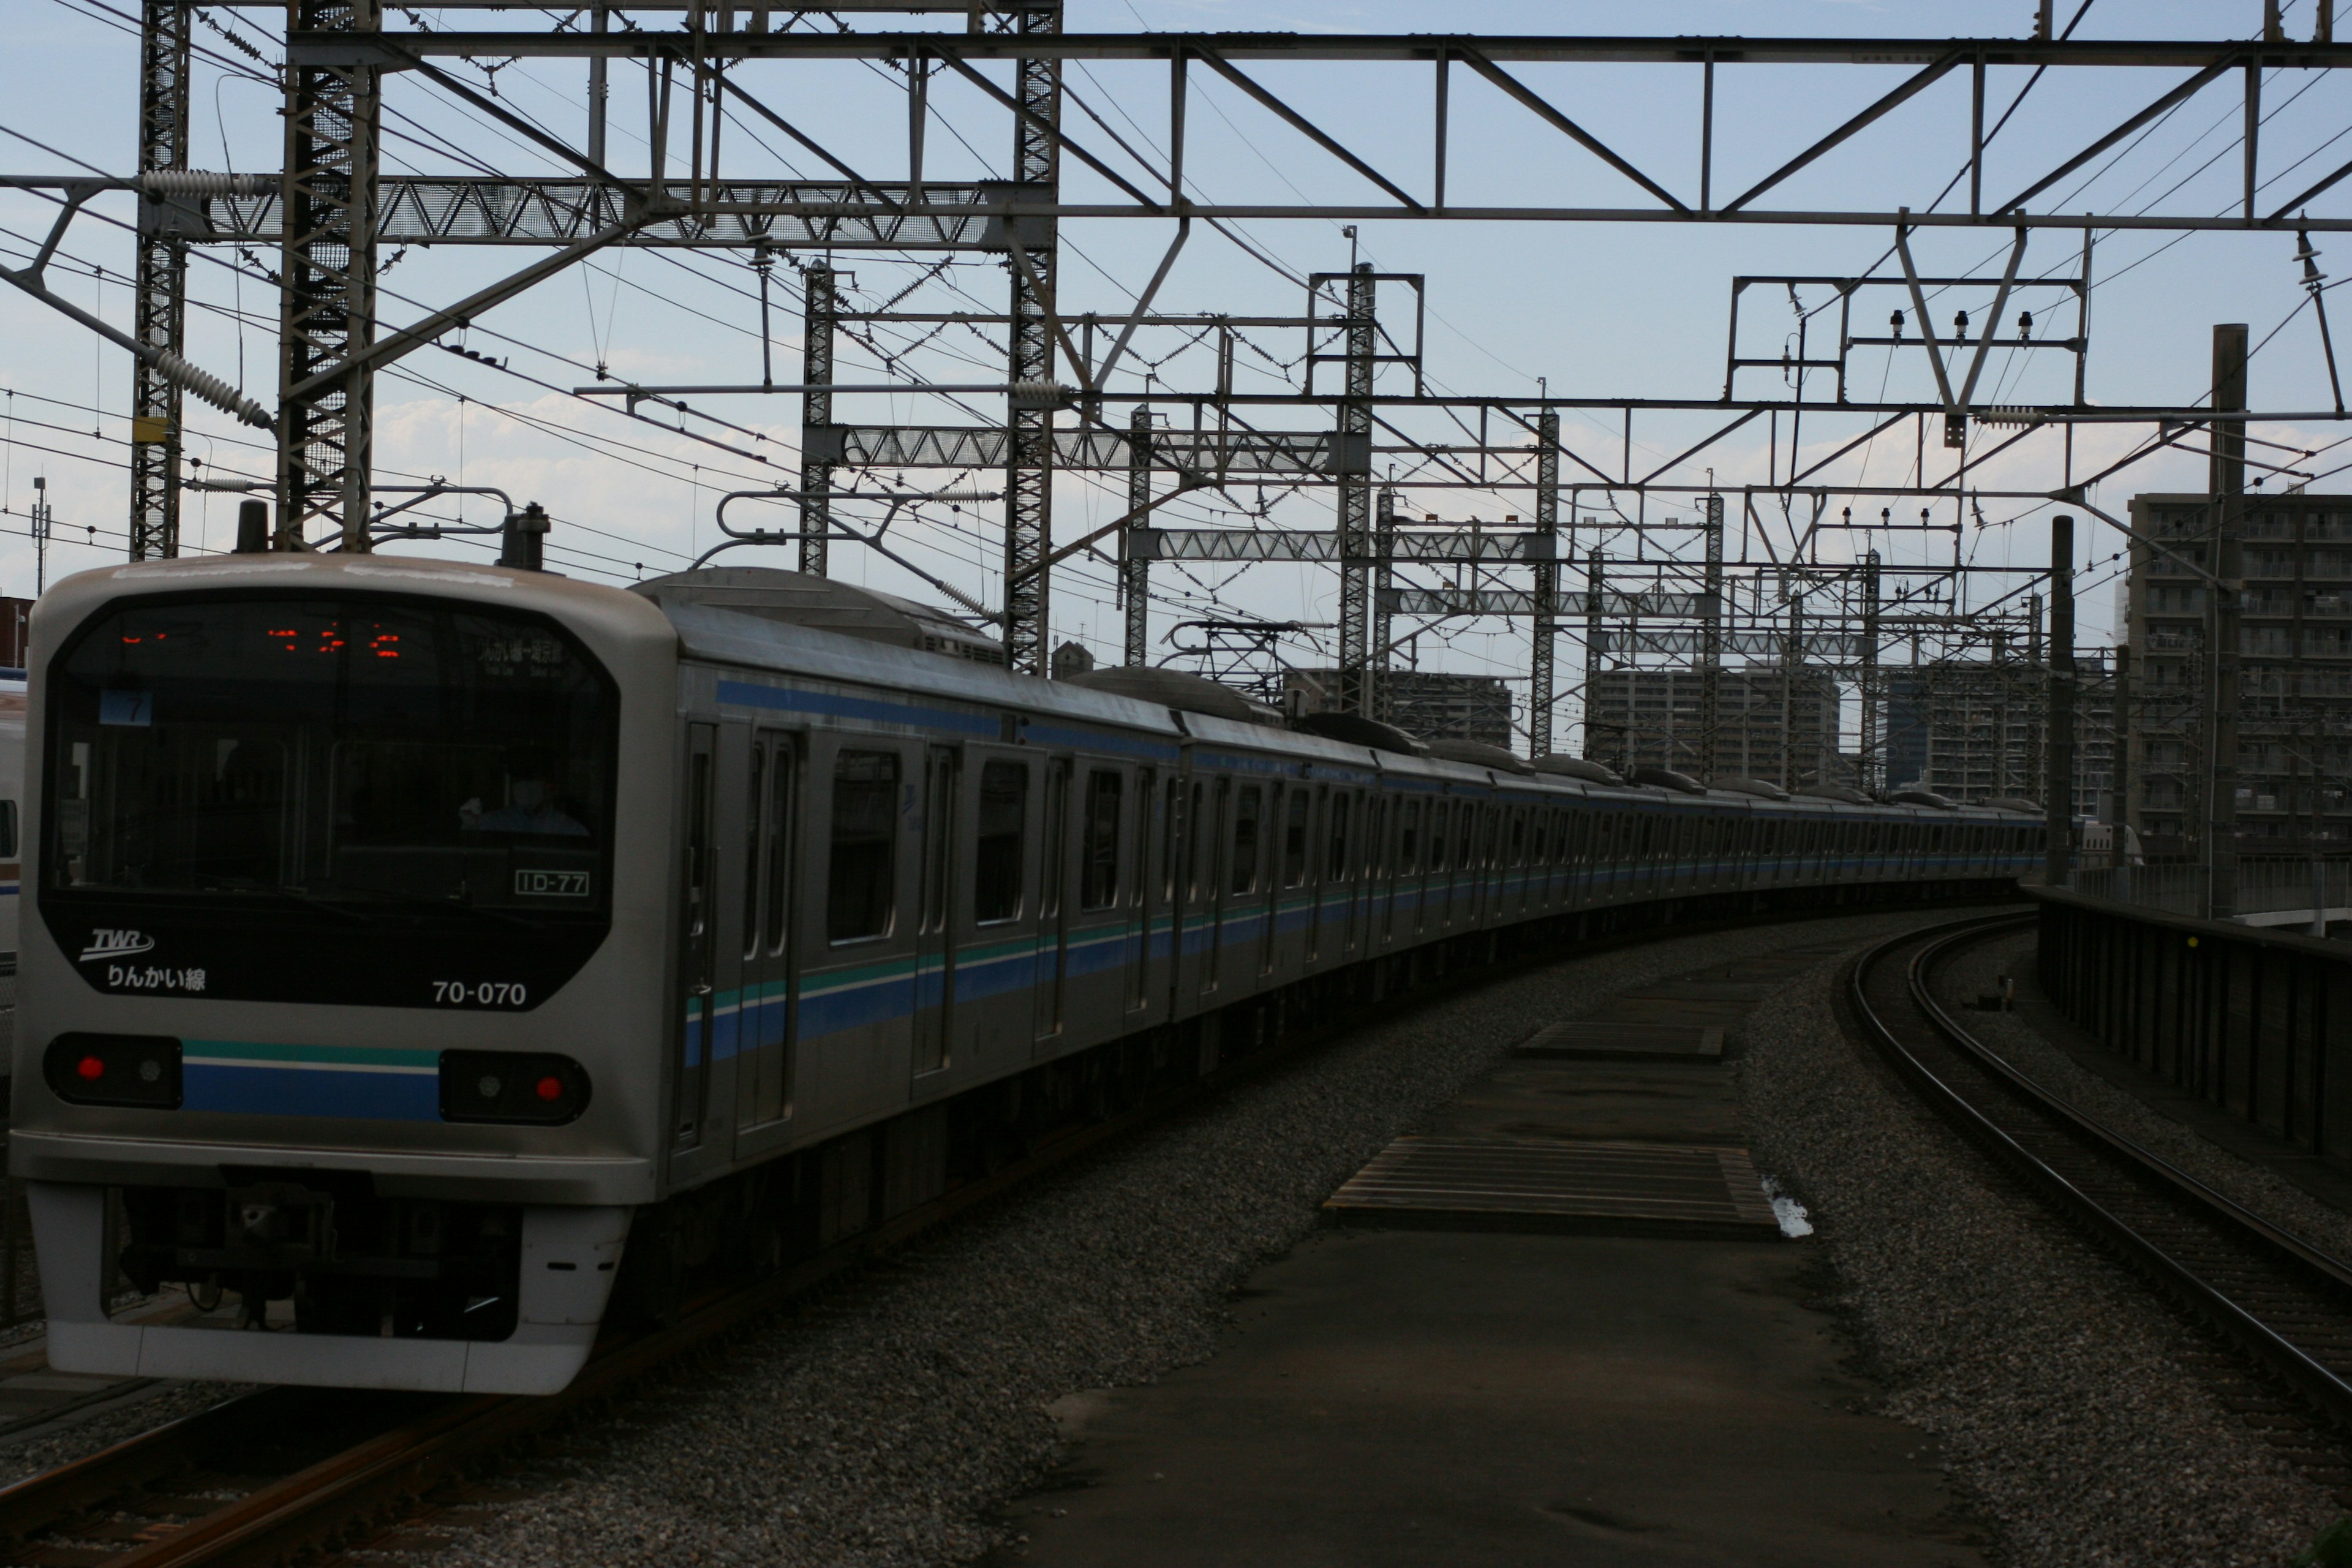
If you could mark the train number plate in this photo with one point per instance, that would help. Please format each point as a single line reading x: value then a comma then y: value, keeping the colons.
x: 550, y: 884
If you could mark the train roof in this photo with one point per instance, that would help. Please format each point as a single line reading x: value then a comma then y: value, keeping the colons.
x: 790, y: 623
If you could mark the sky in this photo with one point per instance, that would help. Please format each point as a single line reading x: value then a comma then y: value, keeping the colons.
x: 1583, y: 309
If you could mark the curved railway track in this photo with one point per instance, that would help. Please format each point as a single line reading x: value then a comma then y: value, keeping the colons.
x: 2280, y: 1302
x: 286, y: 1474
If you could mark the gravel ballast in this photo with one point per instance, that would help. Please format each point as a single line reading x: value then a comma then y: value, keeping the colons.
x: 890, y: 1423
x: 2055, y: 1381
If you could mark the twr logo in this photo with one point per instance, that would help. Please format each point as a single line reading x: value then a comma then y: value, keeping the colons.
x: 107, y: 943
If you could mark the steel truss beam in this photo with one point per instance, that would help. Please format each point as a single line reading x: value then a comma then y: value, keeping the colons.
x: 159, y: 300
x: 1391, y: 545
x: 1029, y: 437
x: 466, y: 209
x: 327, y: 287
x: 1213, y: 456
x: 393, y: 50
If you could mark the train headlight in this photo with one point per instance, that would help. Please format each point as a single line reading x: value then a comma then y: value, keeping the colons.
x: 540, y: 1089
x: 140, y: 1071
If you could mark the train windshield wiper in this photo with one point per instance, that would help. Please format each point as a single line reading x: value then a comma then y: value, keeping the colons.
x: 288, y: 895
x: 442, y: 906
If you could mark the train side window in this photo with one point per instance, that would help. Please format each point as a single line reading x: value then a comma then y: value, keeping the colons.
x: 1000, y: 856
x: 1249, y: 803
x: 1098, y: 871
x: 861, y: 888
x: 1338, y: 809
x: 1294, y: 837
x: 1408, y: 859
x: 1439, y: 811
x: 7, y: 831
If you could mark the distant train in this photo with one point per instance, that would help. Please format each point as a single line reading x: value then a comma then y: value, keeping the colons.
x: 415, y: 940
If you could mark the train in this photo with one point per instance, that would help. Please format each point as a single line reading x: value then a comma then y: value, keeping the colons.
x: 433, y: 963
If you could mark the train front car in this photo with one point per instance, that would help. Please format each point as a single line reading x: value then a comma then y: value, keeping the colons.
x: 342, y: 987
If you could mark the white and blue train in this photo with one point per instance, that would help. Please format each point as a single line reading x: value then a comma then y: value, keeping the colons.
x: 414, y: 943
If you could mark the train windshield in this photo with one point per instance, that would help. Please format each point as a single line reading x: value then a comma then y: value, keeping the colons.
x: 432, y: 756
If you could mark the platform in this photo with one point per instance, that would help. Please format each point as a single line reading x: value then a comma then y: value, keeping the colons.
x: 1444, y: 1378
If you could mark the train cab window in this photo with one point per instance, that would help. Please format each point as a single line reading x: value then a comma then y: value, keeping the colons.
x: 1294, y: 837
x: 1337, y: 811
x: 999, y: 852
x: 439, y: 757
x: 1249, y: 805
x: 861, y: 888
x: 1099, y: 870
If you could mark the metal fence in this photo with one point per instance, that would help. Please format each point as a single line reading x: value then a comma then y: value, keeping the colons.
x: 2257, y: 1023
x: 2267, y: 885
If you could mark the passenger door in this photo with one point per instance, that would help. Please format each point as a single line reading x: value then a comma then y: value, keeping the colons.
x: 1053, y: 926
x: 698, y: 955
x: 935, y: 913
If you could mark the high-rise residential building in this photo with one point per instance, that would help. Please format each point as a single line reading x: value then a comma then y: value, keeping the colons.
x: 1425, y: 704
x: 1977, y: 730
x: 2294, y: 788
x: 1655, y: 718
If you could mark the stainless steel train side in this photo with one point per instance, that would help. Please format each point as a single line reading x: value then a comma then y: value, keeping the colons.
x: 850, y: 917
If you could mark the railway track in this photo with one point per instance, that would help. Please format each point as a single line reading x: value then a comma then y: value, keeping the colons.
x: 2281, y: 1303
x: 285, y: 1474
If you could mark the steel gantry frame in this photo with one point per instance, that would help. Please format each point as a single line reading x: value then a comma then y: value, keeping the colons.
x: 331, y: 210
x: 159, y: 286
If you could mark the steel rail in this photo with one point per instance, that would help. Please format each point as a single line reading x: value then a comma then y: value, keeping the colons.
x: 2107, y: 1152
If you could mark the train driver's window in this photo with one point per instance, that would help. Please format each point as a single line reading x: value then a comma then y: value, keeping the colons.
x: 1249, y: 804
x: 1099, y: 870
x: 1000, y: 857
x: 861, y: 889
x: 1294, y: 837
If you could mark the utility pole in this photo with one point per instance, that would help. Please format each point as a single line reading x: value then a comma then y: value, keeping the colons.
x: 1593, y: 637
x: 818, y: 305
x: 1384, y: 533
x: 2120, y: 814
x: 2058, y: 791
x: 327, y: 287
x: 1542, y: 693
x: 1134, y: 565
x: 159, y: 294
x: 40, y: 535
x: 1710, y: 652
x: 1868, y: 749
x: 1029, y: 450
x: 2228, y: 475
x: 1789, y: 655
x: 1356, y: 493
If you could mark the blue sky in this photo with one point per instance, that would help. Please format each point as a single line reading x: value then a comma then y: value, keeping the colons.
x: 1592, y: 310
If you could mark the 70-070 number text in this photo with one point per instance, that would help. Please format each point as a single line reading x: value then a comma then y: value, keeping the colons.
x: 488, y: 993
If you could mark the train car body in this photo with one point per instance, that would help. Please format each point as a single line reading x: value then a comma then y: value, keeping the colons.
x: 414, y: 941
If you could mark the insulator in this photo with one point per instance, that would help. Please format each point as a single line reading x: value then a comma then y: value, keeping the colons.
x: 211, y: 388
x: 1041, y: 394
x: 204, y: 183
x: 2008, y: 414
